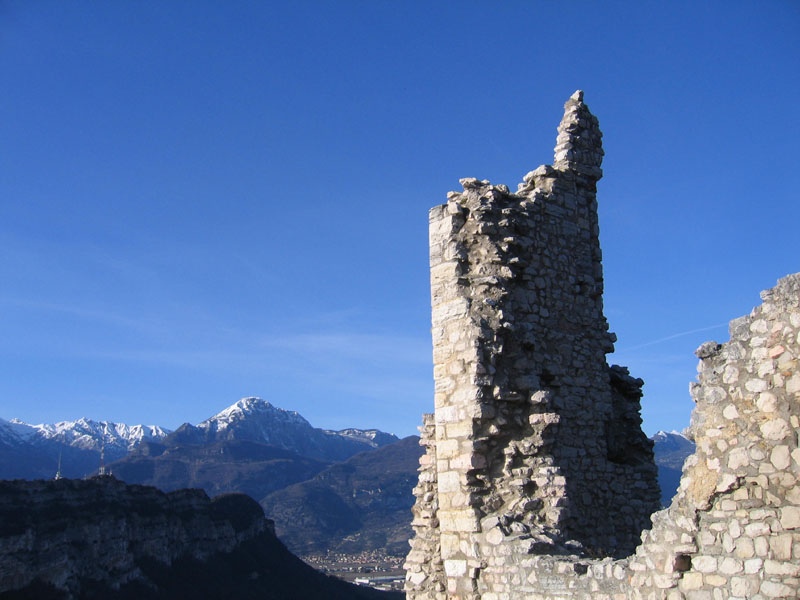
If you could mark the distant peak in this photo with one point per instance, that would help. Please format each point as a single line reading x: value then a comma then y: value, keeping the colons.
x: 251, y: 406
x: 252, y: 402
x: 245, y: 405
x: 661, y: 434
x: 577, y: 96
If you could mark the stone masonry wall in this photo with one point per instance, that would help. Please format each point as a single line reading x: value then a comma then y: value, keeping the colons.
x: 538, y: 444
x: 537, y: 481
x: 428, y: 574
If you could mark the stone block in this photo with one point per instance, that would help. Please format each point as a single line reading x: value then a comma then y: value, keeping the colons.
x: 793, y: 385
x: 455, y: 568
x: 458, y: 520
x: 775, y: 429
x: 781, y: 546
x: 744, y: 587
x: 756, y: 529
x: 773, y: 589
x: 449, y: 482
x: 704, y: 564
x: 447, y: 311
x: 790, y: 517
x: 756, y: 385
x: 495, y: 536
x: 744, y: 547
x: 730, y: 412
x: 753, y: 565
x: 779, y: 457
x: 417, y: 579
x: 730, y: 566
x: 775, y: 567
x: 737, y: 459
x: 461, y: 429
x: 446, y: 449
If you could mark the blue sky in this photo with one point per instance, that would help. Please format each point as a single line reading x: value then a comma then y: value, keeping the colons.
x: 201, y: 201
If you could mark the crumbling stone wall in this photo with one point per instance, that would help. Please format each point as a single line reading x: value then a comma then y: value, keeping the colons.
x: 733, y: 530
x: 538, y: 444
x: 537, y: 481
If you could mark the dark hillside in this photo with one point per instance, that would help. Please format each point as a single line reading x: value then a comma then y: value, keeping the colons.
x: 361, y: 504
x: 252, y: 468
x: 103, y: 539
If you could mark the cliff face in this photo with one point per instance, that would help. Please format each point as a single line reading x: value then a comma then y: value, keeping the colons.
x: 102, y: 538
x: 64, y: 531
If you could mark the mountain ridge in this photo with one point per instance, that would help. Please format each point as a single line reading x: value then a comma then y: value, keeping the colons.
x: 358, y: 505
x: 78, y: 443
x: 671, y: 448
x: 256, y: 420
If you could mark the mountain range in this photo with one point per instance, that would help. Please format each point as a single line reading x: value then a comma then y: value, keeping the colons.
x: 255, y: 420
x: 33, y: 451
x: 359, y: 505
x: 344, y: 491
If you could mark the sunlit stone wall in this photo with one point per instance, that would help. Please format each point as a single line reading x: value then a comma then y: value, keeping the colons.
x: 538, y: 442
x: 537, y: 481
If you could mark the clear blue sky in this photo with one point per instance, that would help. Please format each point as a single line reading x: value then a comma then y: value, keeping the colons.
x: 201, y: 201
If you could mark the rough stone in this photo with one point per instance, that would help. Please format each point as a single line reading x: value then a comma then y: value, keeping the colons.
x: 81, y: 536
x: 780, y: 457
x: 545, y: 480
x: 790, y: 517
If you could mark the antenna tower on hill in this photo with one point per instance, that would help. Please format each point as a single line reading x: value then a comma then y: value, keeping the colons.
x: 102, y: 470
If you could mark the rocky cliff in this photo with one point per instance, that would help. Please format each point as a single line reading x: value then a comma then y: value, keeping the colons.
x: 102, y: 538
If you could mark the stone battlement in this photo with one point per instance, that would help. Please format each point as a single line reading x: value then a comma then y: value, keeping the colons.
x: 537, y: 481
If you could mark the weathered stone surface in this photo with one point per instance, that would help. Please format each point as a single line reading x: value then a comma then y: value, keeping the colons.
x: 545, y: 480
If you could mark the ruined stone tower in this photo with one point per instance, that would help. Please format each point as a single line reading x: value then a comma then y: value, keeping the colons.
x: 537, y: 481
x: 535, y: 444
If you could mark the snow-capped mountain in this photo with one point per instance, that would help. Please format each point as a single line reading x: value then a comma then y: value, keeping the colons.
x: 256, y: 420
x: 87, y: 434
x: 34, y: 451
x: 667, y: 435
x: 671, y: 448
x: 263, y: 415
x: 12, y: 434
x: 31, y: 451
x: 374, y: 437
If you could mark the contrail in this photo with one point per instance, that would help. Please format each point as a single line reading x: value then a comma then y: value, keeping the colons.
x: 675, y: 335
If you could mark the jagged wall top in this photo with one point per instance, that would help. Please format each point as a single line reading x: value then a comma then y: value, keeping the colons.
x: 535, y: 443
x: 533, y: 484
x: 579, y: 143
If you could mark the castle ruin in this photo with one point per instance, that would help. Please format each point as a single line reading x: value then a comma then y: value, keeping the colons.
x: 537, y: 481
